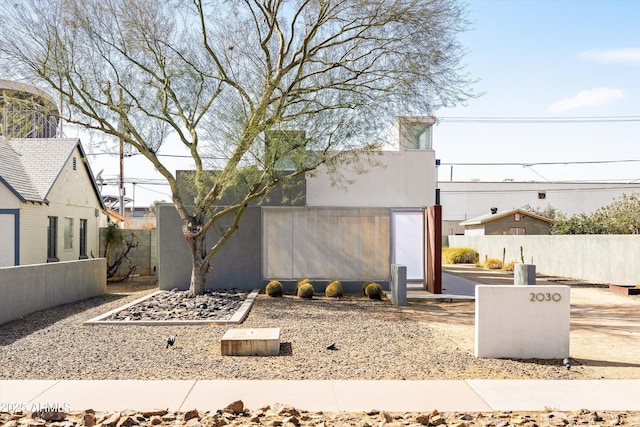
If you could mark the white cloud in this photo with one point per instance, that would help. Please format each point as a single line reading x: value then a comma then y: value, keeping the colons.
x: 613, y: 56
x: 587, y: 98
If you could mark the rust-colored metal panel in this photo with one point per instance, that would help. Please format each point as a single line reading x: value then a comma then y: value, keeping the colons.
x: 433, y: 249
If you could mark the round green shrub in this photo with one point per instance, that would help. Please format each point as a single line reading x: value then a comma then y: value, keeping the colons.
x: 364, y: 287
x: 305, y: 290
x: 373, y: 291
x: 301, y: 282
x: 334, y: 289
x: 274, y: 289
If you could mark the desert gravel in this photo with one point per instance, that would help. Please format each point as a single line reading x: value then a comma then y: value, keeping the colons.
x: 374, y: 341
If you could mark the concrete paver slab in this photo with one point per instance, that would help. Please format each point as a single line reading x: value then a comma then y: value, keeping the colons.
x: 307, y: 395
x: 112, y: 395
x: 571, y: 395
x: 408, y: 396
x: 18, y: 395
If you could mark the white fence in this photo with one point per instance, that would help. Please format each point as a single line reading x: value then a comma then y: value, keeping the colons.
x: 30, y: 288
x: 595, y: 258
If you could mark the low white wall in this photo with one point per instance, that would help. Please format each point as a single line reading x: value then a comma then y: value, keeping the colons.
x: 522, y: 322
x: 30, y: 288
x: 599, y: 258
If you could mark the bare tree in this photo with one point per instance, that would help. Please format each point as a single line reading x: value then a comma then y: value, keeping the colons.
x: 232, y: 79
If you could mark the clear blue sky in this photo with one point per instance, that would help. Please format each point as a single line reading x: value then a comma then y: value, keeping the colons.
x: 532, y: 58
x: 555, y: 59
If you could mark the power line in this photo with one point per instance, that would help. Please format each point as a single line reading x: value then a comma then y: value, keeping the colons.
x: 542, y: 188
x: 524, y: 120
x: 528, y: 164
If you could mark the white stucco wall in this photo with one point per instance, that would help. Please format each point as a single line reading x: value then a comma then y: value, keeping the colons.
x: 403, y: 178
x: 598, y: 258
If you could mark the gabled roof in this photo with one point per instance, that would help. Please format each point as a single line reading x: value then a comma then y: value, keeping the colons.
x: 30, y: 166
x: 14, y: 176
x: 483, y: 219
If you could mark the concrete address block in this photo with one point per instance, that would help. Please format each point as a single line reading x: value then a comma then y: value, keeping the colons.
x: 251, y: 342
x: 522, y: 322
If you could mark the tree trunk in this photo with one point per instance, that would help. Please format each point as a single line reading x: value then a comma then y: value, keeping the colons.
x: 199, y: 263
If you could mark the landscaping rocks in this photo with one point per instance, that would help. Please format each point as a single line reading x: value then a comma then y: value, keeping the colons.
x: 276, y: 416
x: 374, y: 340
x: 176, y: 305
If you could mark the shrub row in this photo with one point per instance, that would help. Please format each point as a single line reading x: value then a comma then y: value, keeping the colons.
x: 304, y: 289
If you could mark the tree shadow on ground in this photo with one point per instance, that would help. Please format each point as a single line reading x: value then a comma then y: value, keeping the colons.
x: 16, y: 329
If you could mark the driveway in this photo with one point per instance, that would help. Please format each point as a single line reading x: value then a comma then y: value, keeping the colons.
x: 605, y: 327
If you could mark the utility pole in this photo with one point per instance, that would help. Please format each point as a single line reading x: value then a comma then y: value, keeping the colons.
x: 121, y: 183
x: 121, y: 186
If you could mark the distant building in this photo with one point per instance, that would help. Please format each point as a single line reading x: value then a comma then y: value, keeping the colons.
x: 515, y: 221
x: 464, y: 200
x: 26, y: 112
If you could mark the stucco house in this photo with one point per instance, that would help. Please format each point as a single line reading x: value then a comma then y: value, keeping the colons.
x: 50, y: 206
x: 351, y: 232
x: 514, y: 221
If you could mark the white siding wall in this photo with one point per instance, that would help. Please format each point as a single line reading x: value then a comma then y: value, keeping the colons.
x: 33, y: 234
x: 8, y: 200
x: 71, y: 196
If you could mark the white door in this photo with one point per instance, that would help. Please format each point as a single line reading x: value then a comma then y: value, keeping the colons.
x: 7, y: 240
x: 408, y: 243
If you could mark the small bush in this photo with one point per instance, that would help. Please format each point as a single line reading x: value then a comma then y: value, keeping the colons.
x: 493, y: 264
x: 334, y: 289
x: 274, y: 289
x: 373, y: 291
x: 459, y: 256
x: 364, y: 287
x: 508, y: 266
x: 301, y: 282
x: 305, y: 290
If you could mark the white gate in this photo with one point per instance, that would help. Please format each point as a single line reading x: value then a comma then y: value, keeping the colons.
x: 407, y: 237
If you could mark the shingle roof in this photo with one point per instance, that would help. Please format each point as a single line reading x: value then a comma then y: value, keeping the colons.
x: 14, y: 176
x: 483, y: 219
x: 30, y: 167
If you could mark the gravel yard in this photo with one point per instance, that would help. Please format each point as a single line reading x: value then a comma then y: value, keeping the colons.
x: 374, y: 340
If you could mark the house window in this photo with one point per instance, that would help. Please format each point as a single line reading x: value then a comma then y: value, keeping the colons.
x: 83, y: 239
x: 517, y: 217
x: 518, y: 231
x: 52, y: 239
x: 68, y: 233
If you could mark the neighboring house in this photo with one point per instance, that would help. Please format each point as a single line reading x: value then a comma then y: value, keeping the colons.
x: 515, y: 221
x: 321, y: 231
x: 50, y: 207
x: 462, y: 200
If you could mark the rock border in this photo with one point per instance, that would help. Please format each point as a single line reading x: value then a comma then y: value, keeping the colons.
x: 238, y: 317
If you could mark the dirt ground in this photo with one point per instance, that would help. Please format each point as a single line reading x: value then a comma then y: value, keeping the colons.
x: 605, y: 327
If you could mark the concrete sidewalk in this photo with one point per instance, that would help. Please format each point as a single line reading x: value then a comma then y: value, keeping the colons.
x: 327, y: 396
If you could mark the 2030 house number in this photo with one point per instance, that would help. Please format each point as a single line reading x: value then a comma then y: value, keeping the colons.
x: 543, y: 297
